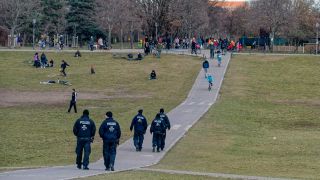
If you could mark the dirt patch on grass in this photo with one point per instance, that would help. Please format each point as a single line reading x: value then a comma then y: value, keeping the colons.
x: 11, y: 98
x: 299, y: 102
x: 271, y: 58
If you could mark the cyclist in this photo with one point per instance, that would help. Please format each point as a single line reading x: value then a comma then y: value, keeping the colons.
x: 210, y: 81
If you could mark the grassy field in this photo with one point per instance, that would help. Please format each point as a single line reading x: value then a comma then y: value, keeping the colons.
x: 41, y: 134
x: 140, y: 175
x: 266, y: 122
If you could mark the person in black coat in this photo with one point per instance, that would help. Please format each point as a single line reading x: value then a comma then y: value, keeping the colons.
x: 166, y: 122
x: 110, y: 133
x: 63, y: 67
x: 157, y: 128
x: 84, y: 129
x: 139, y: 124
x: 73, y: 101
x: 153, y: 75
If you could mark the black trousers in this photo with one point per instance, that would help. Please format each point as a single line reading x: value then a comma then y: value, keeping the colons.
x: 163, y: 140
x: 83, y: 147
x: 74, y: 104
x: 109, y: 153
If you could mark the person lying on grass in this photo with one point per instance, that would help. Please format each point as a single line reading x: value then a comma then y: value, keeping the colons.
x: 63, y: 82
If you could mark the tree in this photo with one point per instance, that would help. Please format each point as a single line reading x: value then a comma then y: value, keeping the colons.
x: 303, y: 20
x: 15, y: 13
x: 53, y: 16
x: 114, y: 13
x: 191, y: 18
x: 152, y: 12
x: 80, y: 19
x: 272, y: 15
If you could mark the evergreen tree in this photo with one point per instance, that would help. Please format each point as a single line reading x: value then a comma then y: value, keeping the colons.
x: 53, y: 15
x: 80, y: 19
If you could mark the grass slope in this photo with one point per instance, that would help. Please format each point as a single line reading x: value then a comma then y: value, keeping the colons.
x: 139, y: 175
x: 266, y: 122
x: 41, y: 135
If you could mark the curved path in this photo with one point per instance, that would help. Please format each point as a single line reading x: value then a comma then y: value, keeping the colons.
x: 182, y: 117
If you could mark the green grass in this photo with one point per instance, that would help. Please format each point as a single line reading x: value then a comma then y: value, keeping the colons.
x: 266, y: 122
x: 140, y: 175
x: 41, y: 135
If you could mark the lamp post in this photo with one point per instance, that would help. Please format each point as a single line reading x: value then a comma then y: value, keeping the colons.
x: 317, y: 40
x: 156, y: 24
x: 34, y: 23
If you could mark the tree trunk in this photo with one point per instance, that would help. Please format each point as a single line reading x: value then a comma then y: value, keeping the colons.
x: 12, y: 37
x: 109, y: 36
x: 121, y: 36
x: 131, y: 36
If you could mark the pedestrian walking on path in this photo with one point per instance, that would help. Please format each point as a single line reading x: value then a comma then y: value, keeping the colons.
x: 110, y: 133
x: 166, y: 122
x: 157, y: 128
x: 73, y: 101
x: 219, y: 58
x: 139, y: 124
x: 84, y: 129
x: 205, y: 66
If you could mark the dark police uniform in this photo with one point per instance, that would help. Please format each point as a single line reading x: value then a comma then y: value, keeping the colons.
x: 166, y: 122
x: 73, y: 101
x: 139, y: 123
x: 110, y: 132
x: 157, y: 128
x: 85, y: 129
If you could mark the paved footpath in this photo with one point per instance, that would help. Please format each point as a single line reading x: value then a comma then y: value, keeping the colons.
x: 182, y: 118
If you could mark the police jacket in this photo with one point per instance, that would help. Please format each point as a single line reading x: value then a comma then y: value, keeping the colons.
x: 157, y: 126
x: 110, y: 130
x: 205, y: 64
x: 84, y: 128
x: 165, y: 119
x: 139, y: 123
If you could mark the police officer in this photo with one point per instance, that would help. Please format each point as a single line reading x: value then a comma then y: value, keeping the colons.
x: 73, y: 101
x: 139, y: 123
x: 84, y: 129
x: 166, y: 122
x: 110, y: 133
x: 157, y: 128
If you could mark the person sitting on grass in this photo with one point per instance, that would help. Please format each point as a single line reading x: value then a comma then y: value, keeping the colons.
x: 36, y: 60
x: 153, y: 75
x: 139, y: 57
x: 51, y: 62
x: 130, y: 56
x: 77, y: 54
x: 92, y: 70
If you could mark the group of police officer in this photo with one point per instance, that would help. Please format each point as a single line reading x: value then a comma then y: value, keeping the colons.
x: 110, y: 132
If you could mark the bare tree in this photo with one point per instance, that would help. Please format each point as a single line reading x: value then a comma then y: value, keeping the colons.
x: 272, y: 15
x: 190, y: 17
x: 14, y: 13
x: 303, y: 20
x: 154, y: 12
x: 113, y: 13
